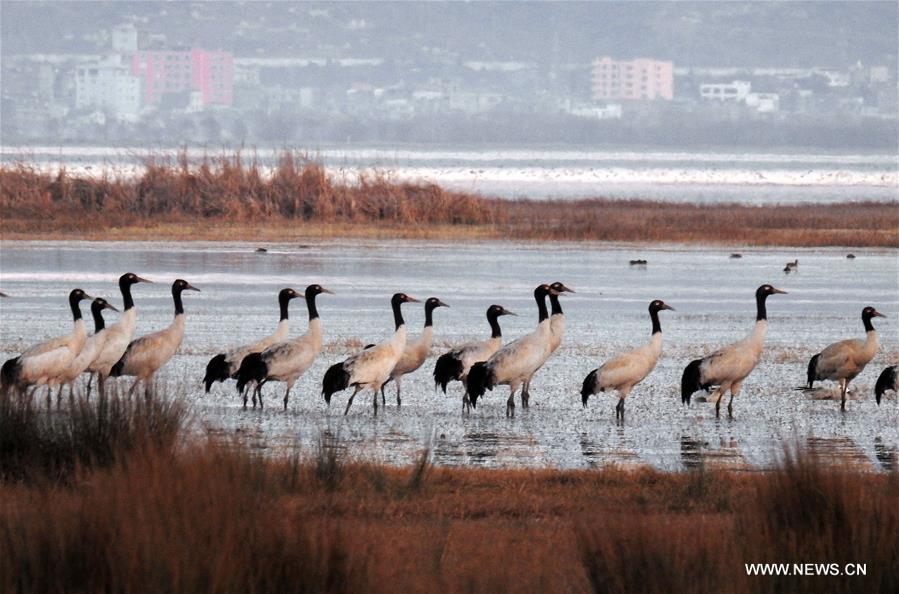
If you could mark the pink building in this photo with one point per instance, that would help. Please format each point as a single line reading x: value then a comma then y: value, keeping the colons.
x: 635, y: 80
x: 210, y: 74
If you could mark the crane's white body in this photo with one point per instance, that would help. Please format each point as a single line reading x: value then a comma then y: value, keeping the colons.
x: 44, y: 363
x: 287, y: 360
x: 118, y: 337
x: 625, y: 371
x: 236, y: 355
x: 146, y: 355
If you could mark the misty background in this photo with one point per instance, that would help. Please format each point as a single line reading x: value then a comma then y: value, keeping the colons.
x: 742, y: 74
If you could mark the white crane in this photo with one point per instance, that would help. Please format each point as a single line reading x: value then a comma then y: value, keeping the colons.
x: 371, y: 367
x: 224, y: 366
x: 729, y: 366
x: 119, y: 335
x: 456, y: 364
x: 842, y: 361
x: 146, y: 355
x: 625, y: 371
x: 91, y: 349
x: 416, y: 351
x: 886, y: 382
x: 44, y: 362
x: 557, y: 332
x: 515, y: 362
x: 284, y: 361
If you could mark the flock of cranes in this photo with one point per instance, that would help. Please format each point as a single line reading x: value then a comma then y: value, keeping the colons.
x: 480, y: 366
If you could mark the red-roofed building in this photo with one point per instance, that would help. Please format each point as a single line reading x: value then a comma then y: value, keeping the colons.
x: 209, y: 74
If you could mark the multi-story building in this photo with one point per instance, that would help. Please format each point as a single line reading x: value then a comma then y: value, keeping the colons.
x: 209, y: 74
x: 108, y: 85
x: 635, y: 80
x: 735, y: 91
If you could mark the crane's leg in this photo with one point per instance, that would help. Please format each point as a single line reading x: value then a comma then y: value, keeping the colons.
x: 375, y: 397
x: 49, y: 397
x: 844, y: 386
x: 718, y: 394
x: 349, y: 402
x: 133, y: 387
x: 510, y: 403
x: 59, y: 397
x: 287, y: 394
x: 383, y: 398
x: 90, y: 378
x: 734, y: 390
x: 244, y: 394
x: 398, y: 401
x: 466, y: 403
x: 259, y: 392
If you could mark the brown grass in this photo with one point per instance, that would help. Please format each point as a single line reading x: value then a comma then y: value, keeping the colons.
x: 215, y: 517
x: 228, y: 199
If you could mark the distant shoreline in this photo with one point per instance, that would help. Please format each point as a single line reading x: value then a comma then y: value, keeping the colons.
x: 230, y: 199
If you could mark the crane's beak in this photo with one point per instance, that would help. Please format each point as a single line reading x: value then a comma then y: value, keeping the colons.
x: 877, y: 314
x: 666, y: 306
x: 506, y: 312
x: 565, y: 289
x: 441, y: 303
x: 110, y: 306
x: 412, y: 299
x: 86, y: 296
x: 775, y: 290
x: 328, y: 291
x: 190, y: 287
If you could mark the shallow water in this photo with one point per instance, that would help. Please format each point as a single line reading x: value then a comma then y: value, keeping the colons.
x: 713, y: 295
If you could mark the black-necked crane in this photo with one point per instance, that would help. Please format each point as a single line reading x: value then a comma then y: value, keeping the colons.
x: 727, y: 367
x: 557, y: 332
x: 515, y: 362
x: 118, y: 335
x: 416, y: 351
x: 43, y: 363
x: 843, y: 360
x: 625, y: 371
x: 284, y: 361
x: 224, y: 366
x: 456, y: 364
x: 371, y: 367
x: 886, y: 382
x: 146, y: 355
x: 92, y: 348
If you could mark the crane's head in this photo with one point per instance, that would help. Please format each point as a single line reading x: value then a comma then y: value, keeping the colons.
x: 313, y: 290
x: 560, y: 288
x: 494, y: 311
x: 869, y: 312
x: 400, y: 298
x: 129, y: 278
x: 182, y: 285
x: 658, y: 305
x: 432, y: 303
x: 766, y: 290
x: 100, y: 304
x: 287, y: 294
x: 78, y: 295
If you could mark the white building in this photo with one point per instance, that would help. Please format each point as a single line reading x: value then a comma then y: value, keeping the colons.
x: 763, y: 102
x: 735, y: 91
x: 109, y: 86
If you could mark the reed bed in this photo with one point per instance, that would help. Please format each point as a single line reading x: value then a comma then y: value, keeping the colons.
x: 215, y: 517
x: 227, y: 198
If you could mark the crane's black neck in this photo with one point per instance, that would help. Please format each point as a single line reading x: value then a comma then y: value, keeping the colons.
x: 283, y: 303
x: 556, y: 305
x: 429, y: 314
x: 495, y: 331
x: 73, y: 304
x: 761, y: 312
x: 540, y: 298
x: 396, y: 304
x: 310, y: 305
x: 125, y: 287
x: 176, y: 296
x: 656, y: 326
x: 866, y: 320
x: 97, y: 312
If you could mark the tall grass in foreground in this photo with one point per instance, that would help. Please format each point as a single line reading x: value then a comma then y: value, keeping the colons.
x: 216, y: 517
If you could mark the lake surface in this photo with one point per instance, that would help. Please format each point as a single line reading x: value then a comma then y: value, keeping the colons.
x: 748, y: 177
x: 713, y: 294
